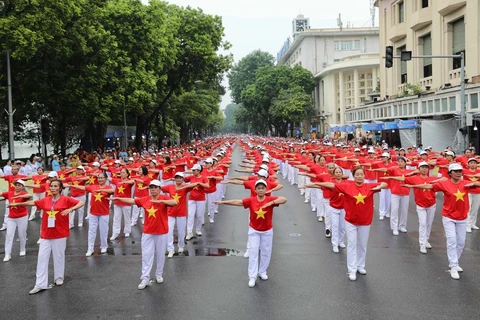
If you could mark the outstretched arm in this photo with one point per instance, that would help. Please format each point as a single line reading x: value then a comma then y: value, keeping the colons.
x: 238, y: 203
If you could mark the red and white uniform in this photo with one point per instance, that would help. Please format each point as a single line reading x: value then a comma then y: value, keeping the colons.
x: 99, y: 215
x: 17, y: 220
x: 177, y: 215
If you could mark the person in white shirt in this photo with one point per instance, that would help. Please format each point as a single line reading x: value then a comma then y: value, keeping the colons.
x: 8, y: 168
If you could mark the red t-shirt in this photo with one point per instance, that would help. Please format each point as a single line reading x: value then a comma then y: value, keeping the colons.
x: 156, y: 215
x: 78, y: 182
x: 466, y: 174
x: 197, y: 193
x: 16, y: 212
x: 38, y: 180
x: 45, y: 188
x: 180, y: 167
x: 212, y: 182
x: 396, y: 186
x: 99, y: 203
x: 145, y: 182
x: 122, y: 190
x: 260, y: 219
x: 455, y: 203
x: 358, y: 202
x: 10, y: 179
x: 115, y: 172
x: 423, y: 198
x: 54, y: 210
x: 167, y: 173
x: 336, y: 198
x: 180, y: 196
x: 250, y: 185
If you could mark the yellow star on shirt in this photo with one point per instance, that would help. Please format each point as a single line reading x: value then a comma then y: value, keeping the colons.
x: 192, y: 161
x: 51, y: 214
x: 424, y: 190
x: 459, y: 195
x: 360, y: 198
x: 150, y: 175
x: 151, y: 212
x: 92, y: 180
x: 49, y: 193
x: 176, y: 197
x: 165, y: 169
x: 260, y: 213
x: 76, y: 183
x: 357, y: 163
x: 12, y: 185
x: 62, y: 176
x: 98, y: 197
x: 473, y: 179
x: 140, y: 185
x: 37, y: 182
x: 121, y: 189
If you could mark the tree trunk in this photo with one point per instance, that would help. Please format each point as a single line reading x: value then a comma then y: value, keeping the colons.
x: 63, y: 135
x: 141, y: 125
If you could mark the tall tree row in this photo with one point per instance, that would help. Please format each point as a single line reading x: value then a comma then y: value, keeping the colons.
x: 81, y: 63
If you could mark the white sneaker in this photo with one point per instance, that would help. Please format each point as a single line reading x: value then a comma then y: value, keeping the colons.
x: 32, y: 217
x: 251, y: 282
x: 306, y: 201
x: 3, y: 228
x: 395, y: 232
x: 7, y: 258
x: 180, y: 250
x: 459, y: 269
x: 469, y: 229
x: 22, y: 253
x: 335, y: 249
x: 104, y: 250
x: 114, y: 236
x: 454, y: 273
x: 342, y: 245
x: 352, y: 276
x: 381, y: 217
x: 80, y: 225
x: 474, y: 227
x: 159, y: 279
x: 71, y: 226
x: 198, y: 232
x: 263, y: 276
x: 403, y: 230
x: 320, y: 219
x: 246, y: 255
x: 362, y: 271
x: 38, y: 242
x: 89, y: 253
x: 59, y: 282
x: 189, y: 236
x: 35, y: 290
x: 423, y: 249
x: 211, y: 220
x: 314, y: 209
x: 86, y: 217
x: 127, y: 235
x: 144, y: 284
x: 170, y: 254
x: 428, y: 245
x: 216, y: 212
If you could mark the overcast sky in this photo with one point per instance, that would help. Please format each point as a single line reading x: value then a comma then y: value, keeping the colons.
x: 266, y: 24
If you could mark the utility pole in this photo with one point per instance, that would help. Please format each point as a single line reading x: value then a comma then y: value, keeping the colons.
x: 125, y: 126
x: 10, y: 111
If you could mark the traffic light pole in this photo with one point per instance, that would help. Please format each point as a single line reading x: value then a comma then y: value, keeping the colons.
x: 10, y: 111
x: 463, y: 109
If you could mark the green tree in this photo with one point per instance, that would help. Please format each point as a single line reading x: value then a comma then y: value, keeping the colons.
x: 230, y: 124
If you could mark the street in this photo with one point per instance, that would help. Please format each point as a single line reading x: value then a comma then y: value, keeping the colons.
x: 306, y: 279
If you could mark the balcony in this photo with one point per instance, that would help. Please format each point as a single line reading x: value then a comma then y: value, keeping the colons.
x: 421, y: 18
x: 448, y: 6
x: 428, y: 81
x: 398, y: 32
x: 401, y: 88
x: 454, y: 76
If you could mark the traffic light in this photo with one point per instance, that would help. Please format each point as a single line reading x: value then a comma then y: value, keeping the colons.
x: 45, y: 125
x: 389, y: 57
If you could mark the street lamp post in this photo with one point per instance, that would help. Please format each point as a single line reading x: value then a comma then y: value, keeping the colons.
x: 10, y: 111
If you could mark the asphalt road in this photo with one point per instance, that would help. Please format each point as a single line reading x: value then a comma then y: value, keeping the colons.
x: 306, y: 279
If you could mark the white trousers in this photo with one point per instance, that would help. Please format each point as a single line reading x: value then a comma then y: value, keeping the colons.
x: 118, y: 211
x: 399, y: 211
x: 284, y: 170
x: 136, y: 213
x: 425, y: 221
x: 36, y: 196
x: 101, y: 222
x: 12, y: 224
x: 338, y: 225
x: 308, y: 191
x: 7, y: 211
x: 301, y: 183
x: 57, y: 248
x: 474, y: 207
x: 328, y: 214
x: 153, y: 244
x: 181, y: 224
x: 319, y: 203
x: 195, y: 209
x: 80, y: 212
x: 291, y: 174
x: 385, y: 196
x: 259, y: 240
x: 210, y: 206
x: 357, y: 237
x: 455, y: 232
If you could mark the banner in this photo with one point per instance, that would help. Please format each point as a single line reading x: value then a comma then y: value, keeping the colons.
x: 372, y: 126
x: 390, y: 125
x: 350, y: 128
x: 408, y: 124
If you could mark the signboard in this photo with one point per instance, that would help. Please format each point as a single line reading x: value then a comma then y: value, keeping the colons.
x: 408, y: 124
x: 284, y: 49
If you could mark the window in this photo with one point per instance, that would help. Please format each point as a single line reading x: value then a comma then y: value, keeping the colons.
x: 474, y: 101
x: 424, y: 3
x: 337, y: 45
x: 458, y: 41
x: 427, y: 51
x: 403, y: 67
x: 444, y: 105
x: 415, y: 107
x: 346, y: 45
x: 410, y: 109
x: 424, y: 107
x: 430, y: 106
x: 357, y: 44
x: 437, y: 105
x: 453, y: 104
x: 401, y: 12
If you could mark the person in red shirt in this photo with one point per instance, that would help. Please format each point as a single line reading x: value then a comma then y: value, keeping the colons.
x: 17, y: 219
x: 78, y: 180
x: 155, y: 230
x: 358, y: 203
x: 196, y: 201
x: 123, y: 189
x: 260, y: 233
x: 38, y: 194
x: 99, y: 212
x: 11, y: 187
x: 168, y: 169
x: 472, y: 174
x: 213, y: 178
x: 454, y: 212
x: 55, y: 230
x: 141, y: 190
x: 385, y: 194
x: 178, y: 214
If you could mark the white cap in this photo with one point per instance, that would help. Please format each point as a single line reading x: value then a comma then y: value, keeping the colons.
x: 356, y: 150
x: 371, y: 151
x: 81, y: 168
x: 130, y: 159
x: 154, y: 161
x: 429, y: 147
x: 450, y: 153
x: 385, y: 148
x: 265, y: 160
x: 52, y: 174
x: 179, y: 174
x: 19, y: 181
x: 364, y: 146
x: 215, y: 159
x: 264, y: 167
x: 209, y: 160
x: 423, y: 152
x: 422, y: 164
x: 117, y: 162
x: 386, y: 154
x: 455, y: 166
x: 263, y: 173
x: 134, y: 153
x: 261, y: 181
x: 155, y: 182
x: 473, y: 159
x: 96, y: 164
x: 196, y: 166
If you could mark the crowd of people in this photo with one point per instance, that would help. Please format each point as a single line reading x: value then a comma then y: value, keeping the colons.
x: 178, y: 186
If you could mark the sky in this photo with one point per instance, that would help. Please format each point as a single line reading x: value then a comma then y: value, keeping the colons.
x: 266, y: 24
